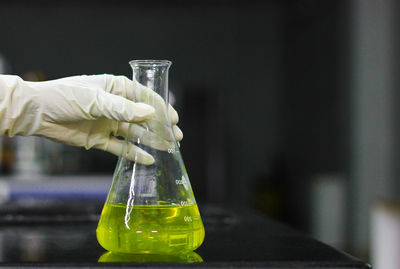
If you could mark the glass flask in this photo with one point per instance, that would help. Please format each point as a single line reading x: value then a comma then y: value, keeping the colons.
x: 151, y: 208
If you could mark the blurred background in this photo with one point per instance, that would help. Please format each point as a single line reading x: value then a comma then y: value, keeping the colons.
x: 288, y: 107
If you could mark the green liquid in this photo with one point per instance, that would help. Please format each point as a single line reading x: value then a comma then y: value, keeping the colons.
x: 156, y: 229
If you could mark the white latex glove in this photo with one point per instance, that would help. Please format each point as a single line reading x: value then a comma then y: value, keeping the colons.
x: 88, y: 111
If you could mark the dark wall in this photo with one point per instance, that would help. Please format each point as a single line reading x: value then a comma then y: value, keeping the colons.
x: 259, y: 85
x: 227, y: 51
x: 316, y: 98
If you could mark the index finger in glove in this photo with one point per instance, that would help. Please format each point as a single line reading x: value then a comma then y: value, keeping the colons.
x: 118, y: 108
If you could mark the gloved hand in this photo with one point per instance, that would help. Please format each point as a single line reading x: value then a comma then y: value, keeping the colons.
x: 88, y: 111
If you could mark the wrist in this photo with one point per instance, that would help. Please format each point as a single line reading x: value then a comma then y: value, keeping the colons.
x: 14, y: 116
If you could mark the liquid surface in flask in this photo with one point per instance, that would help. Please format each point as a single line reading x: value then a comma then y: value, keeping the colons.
x: 157, y: 229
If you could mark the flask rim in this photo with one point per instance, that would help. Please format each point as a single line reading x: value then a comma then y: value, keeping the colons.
x: 149, y: 63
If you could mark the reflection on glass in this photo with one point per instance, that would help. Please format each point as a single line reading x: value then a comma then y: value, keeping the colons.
x: 122, y: 257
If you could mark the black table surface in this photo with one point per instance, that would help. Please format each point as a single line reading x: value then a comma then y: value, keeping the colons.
x: 235, y: 237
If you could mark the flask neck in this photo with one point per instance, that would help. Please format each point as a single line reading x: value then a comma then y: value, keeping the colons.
x: 152, y: 74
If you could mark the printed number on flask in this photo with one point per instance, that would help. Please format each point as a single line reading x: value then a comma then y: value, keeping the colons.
x: 187, y: 218
x: 172, y: 150
x: 184, y: 203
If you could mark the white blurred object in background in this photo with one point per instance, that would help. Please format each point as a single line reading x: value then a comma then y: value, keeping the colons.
x: 28, y: 160
x: 328, y: 209
x: 385, y: 234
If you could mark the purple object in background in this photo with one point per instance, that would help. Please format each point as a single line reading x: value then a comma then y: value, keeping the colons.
x: 69, y: 188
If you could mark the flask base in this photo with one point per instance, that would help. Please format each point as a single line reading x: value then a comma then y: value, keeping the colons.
x: 150, y: 229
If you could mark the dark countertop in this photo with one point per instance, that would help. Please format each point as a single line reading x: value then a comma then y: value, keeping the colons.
x: 235, y: 237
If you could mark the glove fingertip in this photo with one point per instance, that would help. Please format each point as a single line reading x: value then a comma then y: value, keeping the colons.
x: 174, y: 117
x: 136, y: 154
x: 148, y: 160
x: 129, y: 151
x: 178, y: 133
x: 142, y: 112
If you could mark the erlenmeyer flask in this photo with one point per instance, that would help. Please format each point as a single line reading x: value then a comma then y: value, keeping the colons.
x: 151, y: 208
